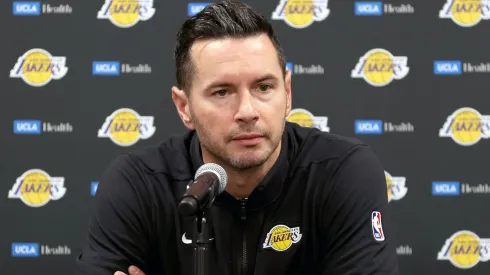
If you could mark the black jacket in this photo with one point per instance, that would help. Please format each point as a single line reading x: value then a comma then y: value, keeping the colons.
x: 314, y: 213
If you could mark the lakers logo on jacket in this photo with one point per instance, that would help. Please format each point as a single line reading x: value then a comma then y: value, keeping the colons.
x: 282, y: 237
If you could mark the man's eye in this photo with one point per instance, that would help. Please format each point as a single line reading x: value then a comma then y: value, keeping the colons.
x: 264, y: 87
x: 220, y: 92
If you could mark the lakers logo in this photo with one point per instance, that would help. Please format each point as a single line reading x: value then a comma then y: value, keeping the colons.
x: 466, y: 126
x: 281, y: 237
x: 306, y: 119
x: 125, y: 127
x: 396, y: 187
x: 464, y: 249
x: 36, y: 188
x: 466, y: 13
x: 37, y: 67
x: 379, y: 67
x: 300, y: 14
x: 126, y: 13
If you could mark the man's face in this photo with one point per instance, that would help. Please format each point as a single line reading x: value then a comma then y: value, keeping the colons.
x: 239, y: 99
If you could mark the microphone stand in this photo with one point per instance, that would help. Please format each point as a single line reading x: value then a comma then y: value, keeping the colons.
x: 201, y: 243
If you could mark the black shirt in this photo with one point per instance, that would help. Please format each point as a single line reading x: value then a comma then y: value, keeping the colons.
x: 318, y: 211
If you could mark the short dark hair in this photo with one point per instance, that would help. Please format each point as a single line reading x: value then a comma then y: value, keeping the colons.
x: 227, y: 19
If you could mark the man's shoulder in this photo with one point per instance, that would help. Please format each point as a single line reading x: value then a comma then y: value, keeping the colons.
x: 315, y: 146
x: 169, y: 157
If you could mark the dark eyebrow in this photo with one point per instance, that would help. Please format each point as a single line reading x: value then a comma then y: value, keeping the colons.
x: 221, y: 84
x: 266, y: 77
x: 224, y: 84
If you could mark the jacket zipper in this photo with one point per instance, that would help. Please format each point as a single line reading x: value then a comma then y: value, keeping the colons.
x: 244, y: 242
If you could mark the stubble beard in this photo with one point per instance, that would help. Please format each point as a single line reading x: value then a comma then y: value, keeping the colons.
x: 244, y: 161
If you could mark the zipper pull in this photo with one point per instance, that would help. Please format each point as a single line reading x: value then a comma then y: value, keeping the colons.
x: 243, y: 208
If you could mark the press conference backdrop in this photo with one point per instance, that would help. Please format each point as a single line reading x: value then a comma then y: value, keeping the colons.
x: 84, y: 81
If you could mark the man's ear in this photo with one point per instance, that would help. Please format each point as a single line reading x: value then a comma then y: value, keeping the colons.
x: 287, y: 84
x: 181, y: 102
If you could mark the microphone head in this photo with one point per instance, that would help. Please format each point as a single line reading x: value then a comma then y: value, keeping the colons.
x: 216, y: 169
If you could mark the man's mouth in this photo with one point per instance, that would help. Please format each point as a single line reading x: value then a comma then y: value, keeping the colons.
x: 248, y: 139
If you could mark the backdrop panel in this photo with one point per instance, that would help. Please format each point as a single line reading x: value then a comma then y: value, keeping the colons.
x: 84, y: 81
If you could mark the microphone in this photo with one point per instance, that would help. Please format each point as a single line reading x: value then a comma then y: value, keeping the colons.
x: 210, y: 180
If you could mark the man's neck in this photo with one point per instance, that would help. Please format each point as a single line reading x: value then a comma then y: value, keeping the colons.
x: 241, y: 183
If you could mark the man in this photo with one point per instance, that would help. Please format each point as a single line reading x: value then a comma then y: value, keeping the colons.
x: 298, y: 200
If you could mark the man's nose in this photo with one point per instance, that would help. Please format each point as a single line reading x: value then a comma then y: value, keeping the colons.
x: 247, y: 112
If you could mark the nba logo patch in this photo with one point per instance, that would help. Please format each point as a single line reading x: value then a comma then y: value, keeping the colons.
x: 377, y: 226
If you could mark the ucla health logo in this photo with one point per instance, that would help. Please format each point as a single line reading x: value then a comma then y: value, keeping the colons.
x: 26, y: 8
x: 106, y: 68
x: 368, y: 127
x: 455, y: 188
x: 36, y: 188
x: 466, y: 13
x: 125, y: 127
x: 25, y: 250
x: 305, y: 69
x: 379, y: 67
x: 447, y: 67
x: 35, y: 8
x: 126, y: 13
x: 457, y: 67
x: 306, y: 119
x: 37, y: 67
x: 466, y: 126
x: 378, y: 8
x: 464, y: 250
x: 300, y: 14
x: 378, y: 127
x: 446, y: 188
x: 195, y: 8
x: 36, y: 127
x: 115, y: 68
x: 396, y: 187
x: 37, y: 250
x: 368, y: 8
x: 27, y: 127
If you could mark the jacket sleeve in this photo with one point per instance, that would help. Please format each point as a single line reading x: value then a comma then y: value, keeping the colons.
x: 358, y: 235
x: 118, y: 234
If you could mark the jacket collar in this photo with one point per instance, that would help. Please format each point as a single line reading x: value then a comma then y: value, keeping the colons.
x: 267, y: 191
